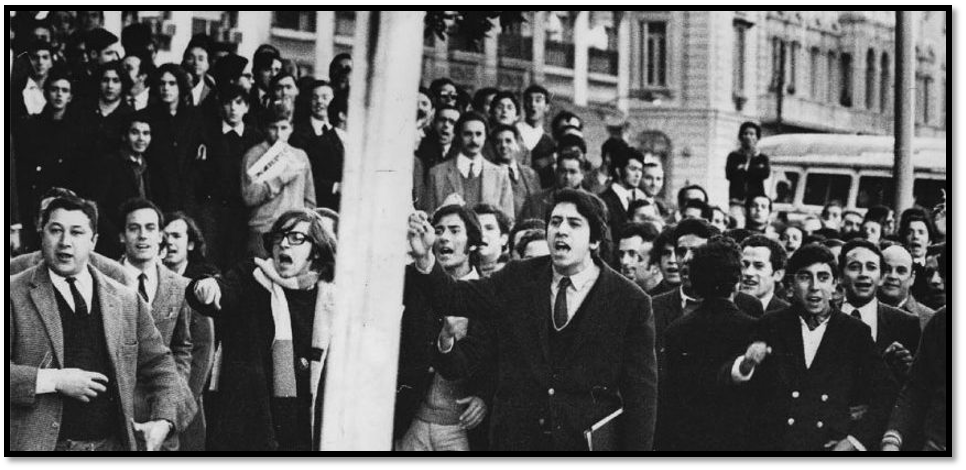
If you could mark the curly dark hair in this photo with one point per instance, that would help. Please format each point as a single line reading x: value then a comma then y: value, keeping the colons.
x: 715, y: 268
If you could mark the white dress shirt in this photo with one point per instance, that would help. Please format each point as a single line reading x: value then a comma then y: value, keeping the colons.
x: 531, y: 135
x: 625, y: 194
x: 319, y: 126
x: 196, y: 91
x: 141, y: 99
x: 869, y: 313
x: 580, y: 285
x: 239, y: 129
x: 33, y: 97
x: 463, y: 165
x: 150, y: 284
x: 84, y: 284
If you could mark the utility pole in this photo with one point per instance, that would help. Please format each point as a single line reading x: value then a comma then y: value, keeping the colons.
x: 904, y: 109
x: 360, y: 378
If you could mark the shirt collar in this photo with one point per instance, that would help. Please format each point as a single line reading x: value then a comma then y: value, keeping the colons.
x: 152, y: 274
x: 869, y: 310
x: 318, y: 125
x: 239, y: 129
x: 463, y: 164
x: 821, y: 324
x: 84, y: 284
x: 84, y: 278
x: 625, y: 194
x: 470, y: 276
x: 31, y: 84
x: 581, y: 279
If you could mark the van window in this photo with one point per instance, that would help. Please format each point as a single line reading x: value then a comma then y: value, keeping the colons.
x: 821, y: 188
x: 786, y: 185
x: 875, y: 190
x: 927, y: 193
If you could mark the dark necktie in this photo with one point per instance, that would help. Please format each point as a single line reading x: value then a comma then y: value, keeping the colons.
x: 470, y: 174
x: 142, y: 289
x: 560, y: 304
x: 857, y: 314
x: 80, y: 307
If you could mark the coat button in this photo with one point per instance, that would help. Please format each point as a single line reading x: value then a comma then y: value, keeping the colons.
x: 819, y: 424
x: 824, y: 397
x: 431, y: 370
x: 795, y: 394
x: 39, y: 168
x: 791, y: 421
x: 542, y: 421
x: 550, y: 392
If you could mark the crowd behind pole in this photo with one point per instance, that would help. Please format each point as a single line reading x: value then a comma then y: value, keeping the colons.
x: 173, y: 289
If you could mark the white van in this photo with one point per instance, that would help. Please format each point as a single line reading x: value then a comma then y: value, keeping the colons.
x: 810, y: 170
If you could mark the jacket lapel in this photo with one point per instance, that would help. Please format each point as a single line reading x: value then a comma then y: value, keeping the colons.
x: 165, y: 291
x: 791, y: 333
x: 42, y: 294
x: 453, y: 176
x: 590, y: 322
x: 827, y: 349
x: 111, y: 315
x: 883, y: 326
x: 487, y: 184
x: 541, y: 310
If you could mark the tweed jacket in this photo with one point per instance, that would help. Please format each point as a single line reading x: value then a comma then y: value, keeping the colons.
x: 444, y: 179
x: 105, y: 265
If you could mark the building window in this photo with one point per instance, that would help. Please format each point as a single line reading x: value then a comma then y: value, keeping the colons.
x: 845, y: 87
x: 777, y: 63
x: 345, y: 23
x: 654, y: 53
x: 559, y: 47
x: 814, y: 69
x: 830, y: 83
x: 602, y: 42
x: 870, y: 77
x: 792, y: 59
x: 885, y: 84
x: 923, y: 84
x: 738, y: 59
x: 295, y: 20
x: 516, y: 40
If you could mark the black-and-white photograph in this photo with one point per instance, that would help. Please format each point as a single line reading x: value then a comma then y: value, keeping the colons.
x: 485, y: 231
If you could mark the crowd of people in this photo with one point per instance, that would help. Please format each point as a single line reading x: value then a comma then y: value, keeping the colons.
x: 173, y: 288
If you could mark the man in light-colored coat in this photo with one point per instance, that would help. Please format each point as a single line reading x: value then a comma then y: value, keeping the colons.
x: 42, y: 383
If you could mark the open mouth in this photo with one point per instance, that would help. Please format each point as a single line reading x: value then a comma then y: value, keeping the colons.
x: 64, y: 257
x: 862, y: 285
x: 749, y: 283
x: 813, y: 299
x: 446, y: 251
x: 284, y: 259
x: 560, y: 246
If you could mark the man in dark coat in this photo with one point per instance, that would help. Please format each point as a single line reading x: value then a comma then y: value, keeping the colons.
x: 670, y: 306
x: 316, y: 135
x: 895, y: 332
x: 696, y: 410
x: 575, y: 338
x: 816, y: 379
x: 628, y: 168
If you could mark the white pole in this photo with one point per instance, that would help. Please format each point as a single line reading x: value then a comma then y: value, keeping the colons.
x: 376, y: 200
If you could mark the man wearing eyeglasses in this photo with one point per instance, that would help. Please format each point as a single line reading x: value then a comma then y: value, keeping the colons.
x: 816, y: 379
x: 271, y: 338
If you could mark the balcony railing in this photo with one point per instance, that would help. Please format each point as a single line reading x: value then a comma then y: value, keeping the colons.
x: 514, y: 46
